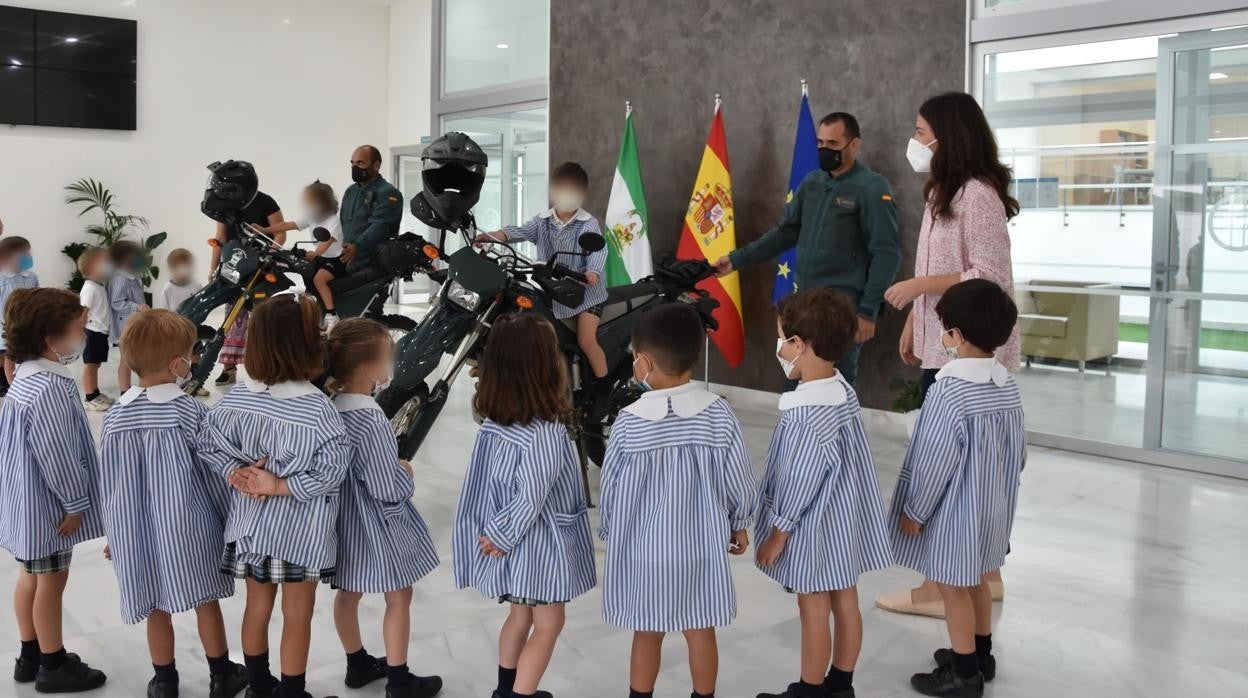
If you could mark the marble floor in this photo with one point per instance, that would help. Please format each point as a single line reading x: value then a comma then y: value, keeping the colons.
x: 1125, y: 580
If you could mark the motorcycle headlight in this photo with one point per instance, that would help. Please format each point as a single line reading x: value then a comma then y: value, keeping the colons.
x: 463, y: 297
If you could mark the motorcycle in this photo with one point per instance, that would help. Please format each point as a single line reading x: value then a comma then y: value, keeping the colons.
x: 254, y: 267
x: 481, y: 286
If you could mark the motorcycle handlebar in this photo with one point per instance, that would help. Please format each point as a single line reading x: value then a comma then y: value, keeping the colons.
x: 559, y: 270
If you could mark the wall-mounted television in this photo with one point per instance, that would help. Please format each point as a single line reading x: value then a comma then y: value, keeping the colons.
x: 61, y: 69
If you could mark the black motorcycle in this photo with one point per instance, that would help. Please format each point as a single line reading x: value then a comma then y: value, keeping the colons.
x: 254, y: 267
x: 481, y: 285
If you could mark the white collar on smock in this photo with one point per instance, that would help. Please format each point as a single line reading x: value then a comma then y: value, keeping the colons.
x: 581, y: 215
x: 159, y: 394
x: 686, y: 401
x: 975, y: 371
x: 825, y: 391
x: 349, y: 402
x: 282, y: 391
x: 32, y: 366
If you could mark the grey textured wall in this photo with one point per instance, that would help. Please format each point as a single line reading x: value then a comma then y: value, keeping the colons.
x: 877, y: 59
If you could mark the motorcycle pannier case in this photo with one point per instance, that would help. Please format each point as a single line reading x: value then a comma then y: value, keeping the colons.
x: 402, y: 255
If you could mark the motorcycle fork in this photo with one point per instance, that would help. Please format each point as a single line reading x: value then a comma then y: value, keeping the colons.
x: 209, y: 357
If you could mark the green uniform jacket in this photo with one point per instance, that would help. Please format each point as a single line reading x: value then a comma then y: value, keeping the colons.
x: 845, y: 229
x: 370, y: 214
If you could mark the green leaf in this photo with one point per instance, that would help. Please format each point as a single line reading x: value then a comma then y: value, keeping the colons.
x: 154, y: 241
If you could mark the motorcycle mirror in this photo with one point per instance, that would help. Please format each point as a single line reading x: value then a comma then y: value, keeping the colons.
x: 320, y: 234
x: 591, y: 242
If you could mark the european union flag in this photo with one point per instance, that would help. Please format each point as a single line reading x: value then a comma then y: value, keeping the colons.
x: 805, y: 161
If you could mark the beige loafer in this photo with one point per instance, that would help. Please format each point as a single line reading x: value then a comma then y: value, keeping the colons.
x: 902, y: 602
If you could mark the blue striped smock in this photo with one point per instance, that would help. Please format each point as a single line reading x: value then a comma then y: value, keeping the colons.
x: 961, y: 474
x: 48, y: 466
x: 676, y: 483
x: 819, y: 485
x: 383, y: 543
x: 125, y: 295
x: 523, y: 492
x: 551, y: 235
x: 9, y: 282
x: 296, y: 427
x: 164, y: 508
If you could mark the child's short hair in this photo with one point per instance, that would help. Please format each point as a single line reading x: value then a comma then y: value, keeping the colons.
x: 672, y: 335
x: 284, y: 340
x: 823, y: 318
x: 123, y: 251
x: 572, y: 173
x: 153, y: 338
x: 179, y: 256
x: 13, y: 245
x: 324, y: 195
x: 32, y: 315
x: 87, y: 259
x: 353, y: 342
x: 522, y: 373
x: 981, y: 310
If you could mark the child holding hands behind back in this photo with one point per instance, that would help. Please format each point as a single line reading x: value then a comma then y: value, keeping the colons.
x: 164, y: 509
x: 282, y: 445
x: 521, y: 529
x: 820, y: 517
x: 677, y: 497
x: 383, y: 544
x: 48, y: 476
x: 954, y: 504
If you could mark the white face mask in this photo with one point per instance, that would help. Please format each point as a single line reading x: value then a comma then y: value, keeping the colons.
x: 951, y: 352
x: 920, y: 155
x: 642, y: 381
x: 566, y: 200
x: 72, y: 355
x: 181, y: 381
x: 379, y: 386
x: 785, y: 365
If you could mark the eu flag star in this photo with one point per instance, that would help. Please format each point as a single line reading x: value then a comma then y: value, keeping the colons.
x: 783, y: 270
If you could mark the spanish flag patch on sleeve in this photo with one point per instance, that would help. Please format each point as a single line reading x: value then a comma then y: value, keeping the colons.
x: 886, y: 197
x: 393, y: 199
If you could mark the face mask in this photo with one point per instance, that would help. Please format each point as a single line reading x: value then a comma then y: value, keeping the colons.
x: 73, y: 354
x: 640, y: 382
x: 136, y: 264
x: 951, y: 352
x: 831, y: 160
x: 106, y: 269
x: 181, y: 381
x: 358, y: 174
x: 379, y: 386
x: 785, y: 365
x: 565, y: 200
x: 25, y: 263
x: 919, y: 155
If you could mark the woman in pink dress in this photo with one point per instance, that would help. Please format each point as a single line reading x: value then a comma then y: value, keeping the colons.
x: 964, y: 236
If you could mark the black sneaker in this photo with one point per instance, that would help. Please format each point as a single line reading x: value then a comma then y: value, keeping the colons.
x: 987, y: 665
x: 363, y: 673
x: 74, y: 676
x: 944, y: 681
x: 794, y: 690
x: 162, y: 689
x: 271, y: 692
x: 420, y: 687
x: 536, y: 694
x: 228, y: 684
x: 228, y: 375
x: 24, y: 670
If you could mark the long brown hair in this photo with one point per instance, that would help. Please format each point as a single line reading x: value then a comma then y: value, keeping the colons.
x: 967, y: 150
x: 353, y: 342
x: 284, y: 340
x: 522, y: 373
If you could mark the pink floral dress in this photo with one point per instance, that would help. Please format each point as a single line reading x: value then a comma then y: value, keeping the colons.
x: 972, y: 242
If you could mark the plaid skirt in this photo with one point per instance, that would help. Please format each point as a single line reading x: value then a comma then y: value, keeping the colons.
x: 56, y: 562
x: 269, y: 570
x: 235, y: 343
x: 522, y: 601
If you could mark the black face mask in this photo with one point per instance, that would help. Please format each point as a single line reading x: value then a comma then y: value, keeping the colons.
x: 359, y: 174
x: 831, y: 160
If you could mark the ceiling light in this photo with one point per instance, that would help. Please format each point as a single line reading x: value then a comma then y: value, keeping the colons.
x: 1218, y: 76
x: 502, y: 45
x: 285, y: 20
x: 71, y: 39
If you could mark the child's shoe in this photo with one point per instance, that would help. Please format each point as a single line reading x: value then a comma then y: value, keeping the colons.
x: 417, y: 687
x: 99, y: 403
x: 228, y: 684
x: 364, y: 671
x: 987, y: 664
x: 228, y: 375
x: 537, y: 694
x: 799, y: 690
x: 73, y: 676
x: 24, y: 670
x: 261, y: 693
x: 944, y: 681
x: 162, y: 689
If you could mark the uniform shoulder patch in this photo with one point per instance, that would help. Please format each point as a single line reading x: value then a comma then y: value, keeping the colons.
x: 393, y: 199
x: 886, y: 197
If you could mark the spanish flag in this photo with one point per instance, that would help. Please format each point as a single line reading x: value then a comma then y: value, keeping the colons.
x: 710, y: 233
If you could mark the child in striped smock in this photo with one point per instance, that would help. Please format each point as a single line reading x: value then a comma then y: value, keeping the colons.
x: 383, y: 543
x: 954, y: 504
x: 283, y: 447
x: 125, y: 297
x: 521, y: 530
x: 48, y: 479
x: 677, y: 497
x: 164, y: 509
x: 16, y: 271
x: 820, y: 517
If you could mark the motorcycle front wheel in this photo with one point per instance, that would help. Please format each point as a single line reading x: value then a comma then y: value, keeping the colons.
x: 208, y: 353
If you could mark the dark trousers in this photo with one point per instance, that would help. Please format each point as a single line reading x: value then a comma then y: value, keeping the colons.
x: 926, y: 382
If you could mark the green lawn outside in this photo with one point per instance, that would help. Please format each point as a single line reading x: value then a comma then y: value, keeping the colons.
x: 1232, y: 340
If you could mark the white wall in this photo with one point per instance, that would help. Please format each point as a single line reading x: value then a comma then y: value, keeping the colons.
x: 291, y: 86
x: 411, y: 70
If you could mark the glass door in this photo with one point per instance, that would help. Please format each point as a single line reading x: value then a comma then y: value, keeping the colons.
x: 1198, y: 332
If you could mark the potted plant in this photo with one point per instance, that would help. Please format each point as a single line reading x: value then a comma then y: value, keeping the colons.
x: 92, y: 195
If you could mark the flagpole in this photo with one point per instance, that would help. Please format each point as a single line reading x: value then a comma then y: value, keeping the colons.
x: 805, y: 90
x: 628, y: 108
x: 706, y: 348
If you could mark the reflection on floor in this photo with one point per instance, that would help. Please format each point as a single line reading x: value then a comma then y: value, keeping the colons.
x: 1124, y: 581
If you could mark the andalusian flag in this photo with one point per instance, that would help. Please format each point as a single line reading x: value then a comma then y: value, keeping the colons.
x: 627, y: 222
x: 709, y: 233
x: 805, y: 161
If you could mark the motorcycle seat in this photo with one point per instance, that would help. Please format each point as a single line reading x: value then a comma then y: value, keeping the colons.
x: 355, y: 280
x: 623, y: 299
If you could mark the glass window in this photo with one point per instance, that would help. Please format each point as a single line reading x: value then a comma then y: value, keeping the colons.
x: 493, y: 43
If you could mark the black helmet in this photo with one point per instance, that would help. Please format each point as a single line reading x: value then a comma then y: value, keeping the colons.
x: 231, y: 186
x: 453, y: 171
